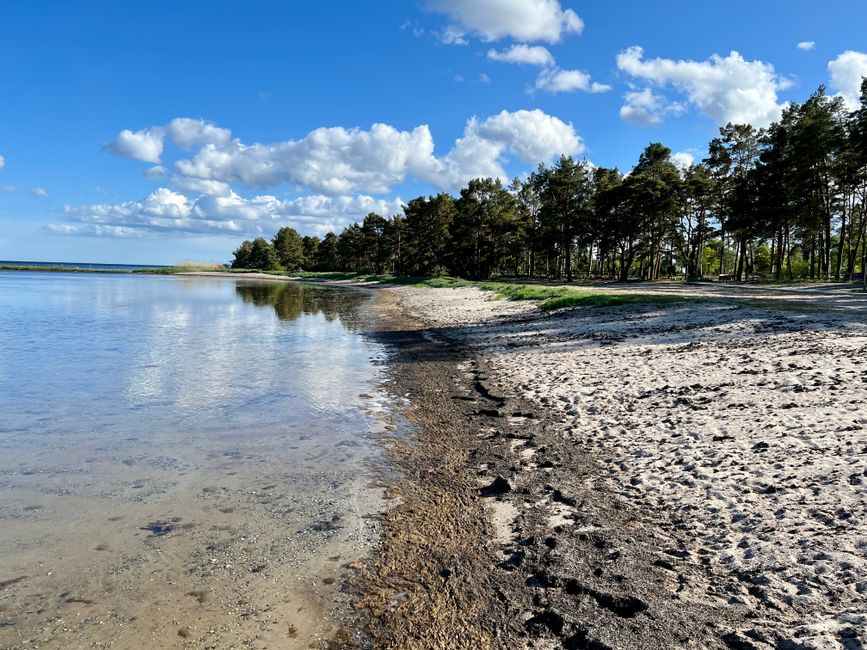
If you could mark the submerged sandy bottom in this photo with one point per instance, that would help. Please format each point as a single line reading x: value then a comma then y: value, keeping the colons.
x: 742, y: 431
x: 206, y: 540
x: 184, y: 462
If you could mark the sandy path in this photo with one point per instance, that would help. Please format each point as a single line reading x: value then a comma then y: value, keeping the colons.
x: 741, y: 431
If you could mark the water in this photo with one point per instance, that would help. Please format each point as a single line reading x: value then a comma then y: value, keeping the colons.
x: 183, y: 460
x: 90, y: 266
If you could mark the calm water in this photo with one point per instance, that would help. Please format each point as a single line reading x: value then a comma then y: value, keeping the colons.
x: 182, y: 460
x: 83, y: 265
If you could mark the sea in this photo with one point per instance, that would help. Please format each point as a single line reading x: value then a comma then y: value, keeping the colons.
x: 184, y: 461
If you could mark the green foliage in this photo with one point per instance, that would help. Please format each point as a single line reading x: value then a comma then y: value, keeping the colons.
x: 484, y: 215
x: 257, y: 254
x: 289, y: 249
x: 326, y: 254
x: 243, y: 255
x: 428, y: 240
x: 310, y: 252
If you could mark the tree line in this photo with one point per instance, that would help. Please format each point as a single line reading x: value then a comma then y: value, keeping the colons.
x: 787, y: 201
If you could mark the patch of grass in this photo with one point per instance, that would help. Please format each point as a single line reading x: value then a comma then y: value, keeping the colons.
x: 577, y: 298
x: 322, y: 275
x: 167, y: 270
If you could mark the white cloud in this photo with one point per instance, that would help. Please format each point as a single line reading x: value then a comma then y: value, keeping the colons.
x: 201, y: 186
x: 806, y: 45
x: 2, y: 162
x: 339, y: 161
x: 726, y: 89
x: 332, y: 160
x: 166, y: 211
x: 564, y: 81
x: 683, y: 160
x: 147, y: 144
x: 646, y: 108
x: 846, y: 72
x: 533, y: 136
x: 38, y: 191
x: 484, y: 79
x: 522, y: 20
x: 155, y: 172
x: 520, y: 53
x: 188, y: 133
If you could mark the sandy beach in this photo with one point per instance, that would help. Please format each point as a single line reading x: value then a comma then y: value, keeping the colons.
x: 687, y: 475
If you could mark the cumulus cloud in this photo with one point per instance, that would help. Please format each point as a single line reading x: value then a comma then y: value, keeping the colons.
x: 331, y: 160
x: 726, y: 89
x: 847, y: 71
x: 520, y: 53
x: 646, y: 108
x: 522, y: 20
x: 165, y: 210
x: 564, y: 81
x: 188, y: 133
x: 532, y: 136
x: 338, y: 161
x: 38, y: 191
x: 201, y: 186
x: 806, y: 45
x: 2, y: 162
x: 338, y: 168
x: 147, y: 144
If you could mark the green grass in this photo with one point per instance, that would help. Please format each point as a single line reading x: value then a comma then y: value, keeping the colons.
x: 577, y: 298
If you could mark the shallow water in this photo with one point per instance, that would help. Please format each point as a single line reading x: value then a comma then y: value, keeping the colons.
x: 183, y: 460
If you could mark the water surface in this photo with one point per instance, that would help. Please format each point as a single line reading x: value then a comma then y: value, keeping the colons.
x: 183, y: 460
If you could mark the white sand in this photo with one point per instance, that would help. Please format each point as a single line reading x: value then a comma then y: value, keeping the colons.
x: 744, y: 427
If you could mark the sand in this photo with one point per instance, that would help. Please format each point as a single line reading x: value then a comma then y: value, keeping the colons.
x: 737, y: 433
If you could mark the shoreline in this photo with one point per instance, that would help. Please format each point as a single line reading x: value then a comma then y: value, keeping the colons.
x: 647, y: 501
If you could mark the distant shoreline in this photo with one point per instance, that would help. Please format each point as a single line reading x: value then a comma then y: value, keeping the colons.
x: 71, y: 267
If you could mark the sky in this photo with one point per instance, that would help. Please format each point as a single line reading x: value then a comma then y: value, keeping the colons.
x: 151, y: 132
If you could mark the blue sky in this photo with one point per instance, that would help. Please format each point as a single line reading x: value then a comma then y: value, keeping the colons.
x: 278, y: 102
